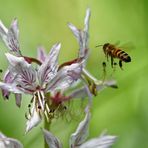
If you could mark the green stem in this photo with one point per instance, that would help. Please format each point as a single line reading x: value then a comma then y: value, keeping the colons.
x: 47, y: 127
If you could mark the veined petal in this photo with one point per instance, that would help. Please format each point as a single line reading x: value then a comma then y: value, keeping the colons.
x: 52, y: 141
x: 49, y: 68
x: 34, y: 119
x: 81, y: 132
x: 6, y: 142
x: 14, y: 28
x: 76, y: 32
x: 65, y: 77
x: 25, y: 74
x: 79, y: 34
x: 41, y: 54
x: 10, y: 88
x: 15, y: 61
x: 8, y: 78
x: 10, y: 36
x: 82, y: 35
x: 103, y: 141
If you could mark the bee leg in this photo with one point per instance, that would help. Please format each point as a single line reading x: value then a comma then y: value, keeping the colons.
x: 104, y: 70
x: 112, y: 61
x: 120, y: 64
x: 114, y: 69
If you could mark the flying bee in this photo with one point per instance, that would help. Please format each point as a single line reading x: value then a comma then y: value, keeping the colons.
x: 110, y: 50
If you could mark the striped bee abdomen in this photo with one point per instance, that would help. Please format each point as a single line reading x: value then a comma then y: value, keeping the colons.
x: 122, y: 55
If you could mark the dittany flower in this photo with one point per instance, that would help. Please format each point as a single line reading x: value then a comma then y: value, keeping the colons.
x: 39, y: 82
x: 79, y: 137
x: 6, y: 142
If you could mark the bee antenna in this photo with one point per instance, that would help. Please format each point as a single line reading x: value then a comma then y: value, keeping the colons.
x: 98, y: 45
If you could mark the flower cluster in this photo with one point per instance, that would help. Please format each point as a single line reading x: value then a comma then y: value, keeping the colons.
x: 49, y: 82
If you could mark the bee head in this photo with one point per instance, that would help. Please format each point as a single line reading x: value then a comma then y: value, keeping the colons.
x: 105, y: 45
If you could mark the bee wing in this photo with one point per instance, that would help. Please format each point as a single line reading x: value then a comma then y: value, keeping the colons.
x: 117, y: 43
x: 127, y: 46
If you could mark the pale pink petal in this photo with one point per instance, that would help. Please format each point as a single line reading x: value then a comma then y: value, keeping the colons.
x: 10, y: 88
x: 41, y: 54
x: 25, y: 74
x: 8, y: 78
x: 65, y: 77
x: 81, y: 132
x: 82, y: 35
x: 15, y: 61
x: 34, y: 119
x: 6, y: 142
x: 49, y: 68
x: 52, y: 141
x: 103, y: 141
x: 10, y: 36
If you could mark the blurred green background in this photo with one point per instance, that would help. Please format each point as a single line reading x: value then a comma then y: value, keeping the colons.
x: 123, y: 111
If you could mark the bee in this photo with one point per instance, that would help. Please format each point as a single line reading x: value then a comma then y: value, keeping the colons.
x: 110, y: 50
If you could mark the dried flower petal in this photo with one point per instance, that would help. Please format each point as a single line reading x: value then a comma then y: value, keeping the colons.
x: 81, y: 132
x: 52, y: 141
x: 6, y: 142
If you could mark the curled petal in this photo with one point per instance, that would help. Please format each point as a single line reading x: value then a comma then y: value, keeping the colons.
x: 65, y: 77
x: 81, y: 132
x: 103, y: 141
x: 6, y: 142
x: 52, y: 141
x: 49, y: 68
x: 33, y: 120
x: 10, y: 36
x: 41, y: 54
